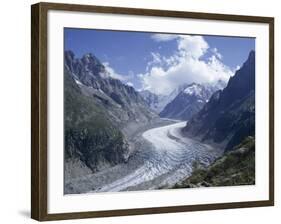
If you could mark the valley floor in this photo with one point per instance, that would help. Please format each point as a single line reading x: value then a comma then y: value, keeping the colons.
x: 162, y: 157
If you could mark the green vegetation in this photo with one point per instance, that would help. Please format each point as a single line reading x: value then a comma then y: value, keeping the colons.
x: 235, y: 167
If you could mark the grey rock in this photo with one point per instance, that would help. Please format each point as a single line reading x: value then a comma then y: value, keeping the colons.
x: 189, y: 101
x: 229, y: 116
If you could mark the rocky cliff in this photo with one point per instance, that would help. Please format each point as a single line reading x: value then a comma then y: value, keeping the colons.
x: 229, y: 116
x: 99, y: 112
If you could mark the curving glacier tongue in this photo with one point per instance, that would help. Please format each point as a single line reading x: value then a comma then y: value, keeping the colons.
x: 169, y: 160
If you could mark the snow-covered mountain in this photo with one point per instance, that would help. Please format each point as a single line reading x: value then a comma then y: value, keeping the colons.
x: 158, y: 102
x: 151, y: 99
x: 190, y: 100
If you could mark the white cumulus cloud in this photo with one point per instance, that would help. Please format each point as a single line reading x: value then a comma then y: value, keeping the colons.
x: 111, y: 72
x: 164, y: 74
x: 130, y: 84
x: 217, y: 53
x: 163, y: 37
x: 193, y: 46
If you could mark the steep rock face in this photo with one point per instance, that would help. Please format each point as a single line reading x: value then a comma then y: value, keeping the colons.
x: 124, y: 104
x: 99, y: 112
x: 229, y: 116
x: 90, y: 138
x: 189, y: 101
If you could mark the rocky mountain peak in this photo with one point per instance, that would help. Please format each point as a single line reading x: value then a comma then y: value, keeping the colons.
x: 89, y: 58
x: 189, y: 101
x: 69, y: 55
x: 86, y: 70
x: 123, y: 102
x: 241, y: 83
x: 194, y: 89
x: 229, y: 116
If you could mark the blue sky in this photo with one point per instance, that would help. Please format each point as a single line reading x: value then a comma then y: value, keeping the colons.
x: 140, y: 58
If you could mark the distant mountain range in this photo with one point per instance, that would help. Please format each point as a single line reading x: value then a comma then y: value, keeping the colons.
x: 190, y: 100
x: 182, y: 102
x: 229, y: 116
x: 158, y: 102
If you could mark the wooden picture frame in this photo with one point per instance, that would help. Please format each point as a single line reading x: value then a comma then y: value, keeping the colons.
x: 39, y: 110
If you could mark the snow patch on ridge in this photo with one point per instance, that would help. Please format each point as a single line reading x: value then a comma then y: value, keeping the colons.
x: 193, y: 90
x: 78, y: 82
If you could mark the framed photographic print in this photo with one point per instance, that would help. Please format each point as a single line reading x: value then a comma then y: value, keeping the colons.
x: 138, y: 111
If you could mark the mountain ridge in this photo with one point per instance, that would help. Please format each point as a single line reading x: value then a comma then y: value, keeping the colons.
x: 229, y: 116
x: 158, y: 102
x: 99, y: 112
x: 190, y: 100
x: 125, y: 104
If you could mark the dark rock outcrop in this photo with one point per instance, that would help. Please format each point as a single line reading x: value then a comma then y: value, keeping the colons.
x: 89, y: 136
x: 99, y: 112
x: 229, y: 116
